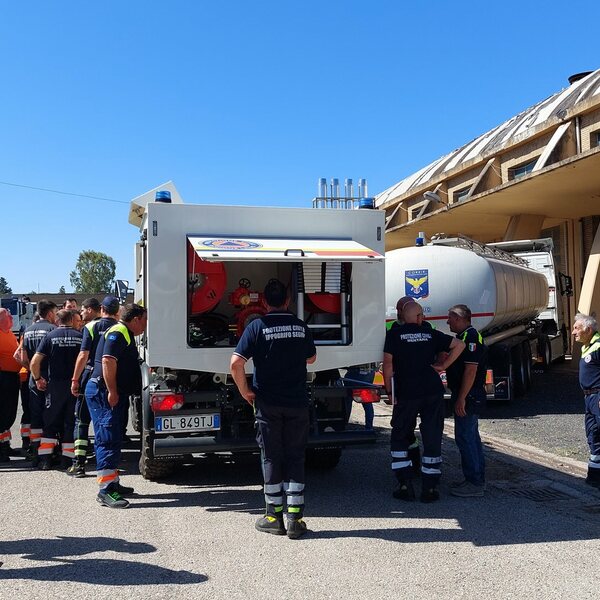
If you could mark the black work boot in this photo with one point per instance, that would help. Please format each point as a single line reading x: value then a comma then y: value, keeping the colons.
x: 77, y: 469
x: 404, y: 491
x: 32, y: 454
x: 271, y: 524
x: 25, y: 445
x: 429, y: 495
x: 593, y: 477
x: 4, y: 452
x: 296, y: 527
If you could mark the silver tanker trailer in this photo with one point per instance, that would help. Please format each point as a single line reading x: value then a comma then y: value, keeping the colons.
x: 512, y: 296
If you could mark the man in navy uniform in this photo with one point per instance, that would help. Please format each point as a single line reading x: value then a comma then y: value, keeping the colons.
x: 585, y: 330
x: 115, y: 377
x: 410, y: 361
x: 33, y: 335
x: 59, y: 350
x: 466, y: 380
x: 281, y: 346
x: 92, y: 332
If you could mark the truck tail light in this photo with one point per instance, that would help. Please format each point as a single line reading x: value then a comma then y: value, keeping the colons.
x: 366, y: 395
x: 166, y: 401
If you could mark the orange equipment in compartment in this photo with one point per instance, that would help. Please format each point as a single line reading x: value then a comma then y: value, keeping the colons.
x: 206, y: 282
x: 325, y: 302
x: 252, y: 304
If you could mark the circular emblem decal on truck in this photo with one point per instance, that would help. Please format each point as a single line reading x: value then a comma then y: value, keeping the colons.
x: 231, y: 244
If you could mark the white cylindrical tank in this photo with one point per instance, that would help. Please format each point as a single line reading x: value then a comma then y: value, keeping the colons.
x: 499, y: 293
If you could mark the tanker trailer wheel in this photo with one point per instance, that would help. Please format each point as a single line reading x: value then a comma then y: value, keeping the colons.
x: 323, y: 458
x: 517, y: 370
x: 545, y: 351
x: 526, y: 368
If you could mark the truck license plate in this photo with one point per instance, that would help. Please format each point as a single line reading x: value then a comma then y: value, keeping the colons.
x: 187, y: 423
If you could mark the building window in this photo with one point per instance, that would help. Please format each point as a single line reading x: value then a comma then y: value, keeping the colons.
x: 521, y: 170
x: 595, y: 141
x: 416, y: 211
x: 461, y: 194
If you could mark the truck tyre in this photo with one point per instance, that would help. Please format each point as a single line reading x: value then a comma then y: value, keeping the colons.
x: 526, y: 354
x: 518, y: 375
x: 323, y: 458
x: 150, y: 468
x: 135, y: 413
x: 545, y: 351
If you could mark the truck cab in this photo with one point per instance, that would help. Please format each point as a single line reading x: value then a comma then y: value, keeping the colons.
x: 22, y: 313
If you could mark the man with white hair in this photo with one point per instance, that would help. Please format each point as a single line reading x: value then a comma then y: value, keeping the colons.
x: 585, y: 331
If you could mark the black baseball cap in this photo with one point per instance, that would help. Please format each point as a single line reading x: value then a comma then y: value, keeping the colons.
x: 111, y: 305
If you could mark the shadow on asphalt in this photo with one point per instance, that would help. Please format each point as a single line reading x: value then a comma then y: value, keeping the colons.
x: 561, y: 507
x: 100, y: 571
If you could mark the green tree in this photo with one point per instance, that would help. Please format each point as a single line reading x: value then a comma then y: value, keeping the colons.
x: 94, y: 272
x: 4, y: 287
x: 62, y: 290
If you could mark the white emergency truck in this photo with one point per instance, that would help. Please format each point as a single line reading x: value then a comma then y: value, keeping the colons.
x: 22, y: 313
x: 200, y: 271
x: 510, y: 288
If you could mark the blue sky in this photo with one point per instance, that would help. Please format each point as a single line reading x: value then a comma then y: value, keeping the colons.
x: 247, y: 103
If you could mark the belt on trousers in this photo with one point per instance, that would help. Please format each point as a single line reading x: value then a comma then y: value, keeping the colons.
x: 591, y: 391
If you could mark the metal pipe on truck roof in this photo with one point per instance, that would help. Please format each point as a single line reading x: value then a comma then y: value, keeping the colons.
x: 335, y: 192
x: 322, y: 194
x: 348, y: 192
x: 363, y: 190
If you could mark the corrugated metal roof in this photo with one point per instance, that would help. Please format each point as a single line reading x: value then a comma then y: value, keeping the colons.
x: 493, y: 141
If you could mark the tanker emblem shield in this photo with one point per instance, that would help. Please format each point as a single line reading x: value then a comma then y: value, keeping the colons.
x: 416, y: 283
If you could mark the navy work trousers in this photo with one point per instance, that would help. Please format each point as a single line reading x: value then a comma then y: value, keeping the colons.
x: 107, y: 428
x: 404, y: 415
x: 37, y: 402
x: 9, y: 399
x: 592, y: 422
x: 59, y: 415
x: 282, y: 435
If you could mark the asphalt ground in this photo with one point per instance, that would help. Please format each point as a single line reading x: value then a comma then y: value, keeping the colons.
x: 549, y: 417
x: 534, y: 535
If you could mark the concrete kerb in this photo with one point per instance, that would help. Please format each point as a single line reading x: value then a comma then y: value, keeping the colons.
x: 563, y: 464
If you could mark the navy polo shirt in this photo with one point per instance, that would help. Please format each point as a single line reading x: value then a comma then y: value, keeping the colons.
x: 475, y: 352
x: 60, y: 347
x: 32, y: 337
x: 113, y: 343
x: 589, y: 365
x: 92, y: 333
x: 414, y: 349
x: 279, y: 344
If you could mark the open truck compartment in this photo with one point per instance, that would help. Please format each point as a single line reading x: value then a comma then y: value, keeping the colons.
x: 201, y: 270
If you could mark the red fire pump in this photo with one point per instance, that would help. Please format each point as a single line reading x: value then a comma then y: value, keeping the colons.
x: 206, y: 282
x: 252, y: 304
